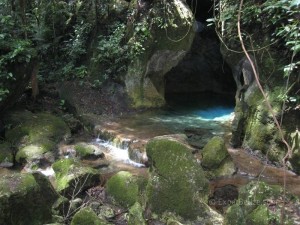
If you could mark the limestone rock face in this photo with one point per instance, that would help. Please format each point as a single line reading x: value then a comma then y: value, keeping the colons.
x: 23, y: 200
x: 159, y: 47
x: 253, y: 126
x: 177, y: 182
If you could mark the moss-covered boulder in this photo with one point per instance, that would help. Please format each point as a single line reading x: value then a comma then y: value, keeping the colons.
x: 124, y: 188
x: 252, y: 206
x: 6, y: 155
x: 213, y: 153
x: 71, y: 177
x: 23, y: 200
x: 136, y: 215
x: 87, y: 151
x: 177, y: 182
x: 35, y: 135
x: 87, y: 216
x: 159, y: 39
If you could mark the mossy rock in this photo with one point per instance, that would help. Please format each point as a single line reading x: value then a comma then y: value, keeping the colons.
x: 213, y: 153
x: 251, y: 207
x: 23, y: 200
x: 254, y: 194
x: 259, y: 216
x: 36, y: 127
x: 87, y: 151
x: 136, y: 215
x: 227, y: 168
x: 6, y: 155
x: 71, y: 177
x: 124, y: 188
x: 35, y: 134
x: 177, y: 182
x: 87, y: 216
x: 235, y: 216
x: 33, y: 152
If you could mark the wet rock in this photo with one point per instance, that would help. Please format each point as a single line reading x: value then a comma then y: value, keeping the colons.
x: 87, y: 216
x: 88, y: 151
x: 198, y: 137
x: 23, y: 200
x: 124, y: 188
x: 36, y: 135
x: 213, y: 153
x: 177, y: 183
x: 137, y: 151
x: 71, y: 177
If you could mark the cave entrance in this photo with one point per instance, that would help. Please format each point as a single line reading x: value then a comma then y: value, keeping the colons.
x: 202, y: 78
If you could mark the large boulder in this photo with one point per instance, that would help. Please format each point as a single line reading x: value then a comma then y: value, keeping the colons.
x: 23, y: 200
x: 159, y: 38
x: 177, y: 182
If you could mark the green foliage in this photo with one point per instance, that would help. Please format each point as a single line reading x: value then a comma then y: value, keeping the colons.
x: 142, y: 34
x: 268, y: 27
x: 13, y: 47
x: 111, y: 53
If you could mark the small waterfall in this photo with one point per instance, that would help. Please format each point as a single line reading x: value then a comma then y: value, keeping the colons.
x: 118, y: 154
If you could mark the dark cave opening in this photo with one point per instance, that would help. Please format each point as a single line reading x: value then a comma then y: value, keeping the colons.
x: 203, y: 69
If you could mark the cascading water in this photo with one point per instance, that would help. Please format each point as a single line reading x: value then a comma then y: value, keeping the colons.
x: 117, y: 154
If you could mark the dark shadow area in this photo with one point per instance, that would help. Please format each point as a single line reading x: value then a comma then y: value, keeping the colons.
x: 203, y: 69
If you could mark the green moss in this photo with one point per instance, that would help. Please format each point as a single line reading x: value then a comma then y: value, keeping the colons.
x: 149, y: 41
x: 214, y: 152
x: 124, y: 187
x: 87, y: 216
x: 234, y: 216
x: 23, y: 200
x: 71, y: 176
x: 227, y: 168
x: 251, y: 207
x: 255, y: 98
x: 254, y: 194
x: 30, y: 152
x: 83, y: 150
x: 177, y: 183
x: 259, y: 216
x: 136, y: 215
x: 35, y: 134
